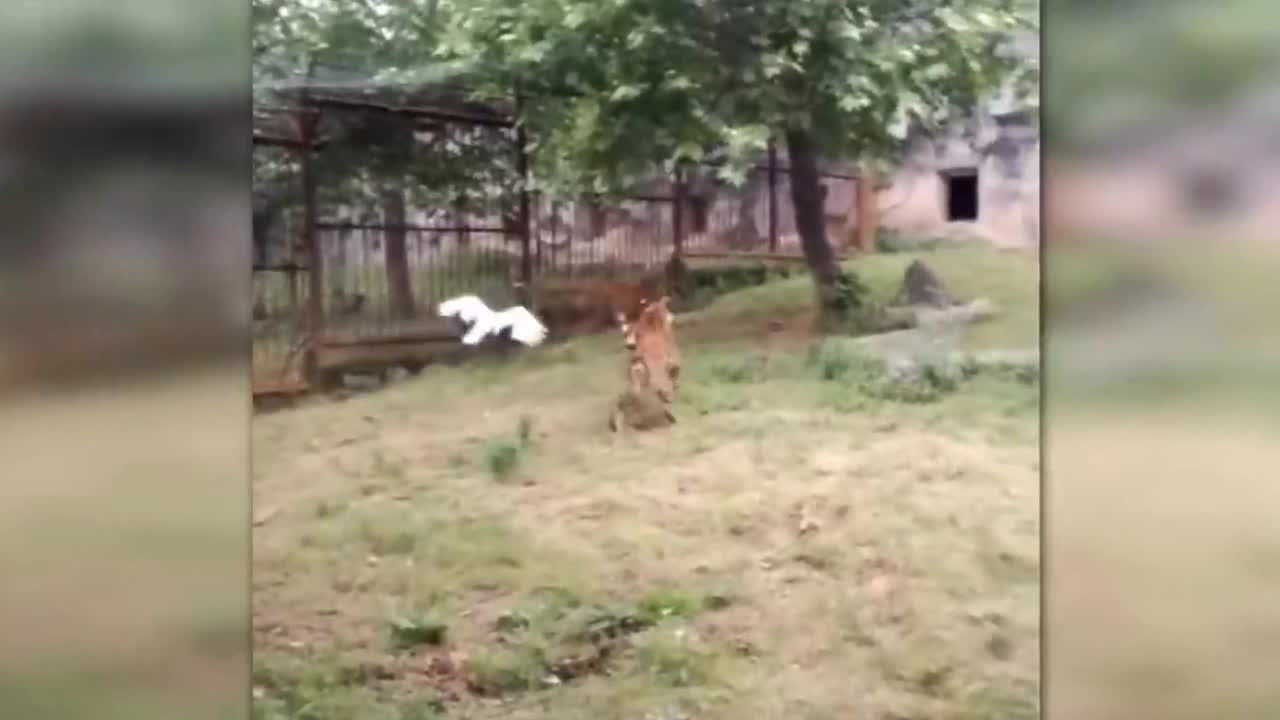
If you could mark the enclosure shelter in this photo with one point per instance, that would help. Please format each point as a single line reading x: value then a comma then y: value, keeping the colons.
x: 375, y: 201
x: 359, y: 225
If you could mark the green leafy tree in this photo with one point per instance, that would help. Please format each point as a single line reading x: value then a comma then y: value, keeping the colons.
x: 614, y: 90
x: 367, y: 45
x: 611, y: 85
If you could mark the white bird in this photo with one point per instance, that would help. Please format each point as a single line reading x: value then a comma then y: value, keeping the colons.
x: 515, y: 322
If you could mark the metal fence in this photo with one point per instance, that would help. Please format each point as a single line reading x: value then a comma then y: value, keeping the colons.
x: 597, y: 237
x: 280, y: 298
x: 387, y: 260
x: 280, y: 288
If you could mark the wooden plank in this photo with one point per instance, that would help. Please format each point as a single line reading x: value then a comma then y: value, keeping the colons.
x: 410, y: 111
x: 415, y: 228
x: 749, y: 255
x: 404, y: 338
x: 385, y: 354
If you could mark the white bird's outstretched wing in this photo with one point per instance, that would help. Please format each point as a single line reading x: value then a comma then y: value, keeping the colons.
x: 526, y: 329
x: 482, y: 322
x: 467, y: 308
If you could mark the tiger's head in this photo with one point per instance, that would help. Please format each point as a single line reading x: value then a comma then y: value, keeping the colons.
x: 654, y: 324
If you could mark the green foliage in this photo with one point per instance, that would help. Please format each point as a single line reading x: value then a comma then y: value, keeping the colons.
x: 924, y: 383
x: 835, y: 361
x: 348, y: 43
x: 554, y: 637
x: 501, y: 670
x: 615, y: 90
x: 409, y: 631
x: 663, y: 603
x: 845, y: 306
x: 740, y: 370
x: 674, y: 662
x: 615, y: 84
x: 704, y: 284
x: 860, y: 376
x: 502, y: 455
x: 890, y: 240
x: 319, y: 689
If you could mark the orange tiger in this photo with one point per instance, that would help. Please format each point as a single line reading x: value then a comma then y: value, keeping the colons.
x: 651, y: 339
x: 591, y: 304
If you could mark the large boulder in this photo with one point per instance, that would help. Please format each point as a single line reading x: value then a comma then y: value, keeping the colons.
x: 921, y: 286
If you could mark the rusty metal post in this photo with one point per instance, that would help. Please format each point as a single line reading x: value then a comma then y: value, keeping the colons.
x: 555, y: 226
x: 522, y: 169
x: 539, y: 206
x: 677, y: 209
x: 773, y: 196
x: 868, y: 222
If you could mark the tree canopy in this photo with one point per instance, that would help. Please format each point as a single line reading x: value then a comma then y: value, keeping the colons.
x: 615, y: 84
x: 612, y: 90
x: 352, y: 45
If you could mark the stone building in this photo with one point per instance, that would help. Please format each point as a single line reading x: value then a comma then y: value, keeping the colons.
x: 980, y: 178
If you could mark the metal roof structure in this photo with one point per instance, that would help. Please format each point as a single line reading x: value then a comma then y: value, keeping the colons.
x: 279, y: 106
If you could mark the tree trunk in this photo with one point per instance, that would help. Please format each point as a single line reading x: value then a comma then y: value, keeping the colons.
x: 806, y: 199
x: 838, y: 293
x: 398, y: 285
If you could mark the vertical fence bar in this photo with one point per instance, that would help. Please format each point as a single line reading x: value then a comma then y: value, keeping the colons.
x: 522, y: 169
x: 773, y: 197
x: 537, y: 234
x: 555, y: 221
x: 677, y: 210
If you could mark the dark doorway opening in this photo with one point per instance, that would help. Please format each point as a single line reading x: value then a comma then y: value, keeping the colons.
x: 962, y: 195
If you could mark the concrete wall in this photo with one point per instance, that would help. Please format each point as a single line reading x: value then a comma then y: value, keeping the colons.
x: 1007, y: 161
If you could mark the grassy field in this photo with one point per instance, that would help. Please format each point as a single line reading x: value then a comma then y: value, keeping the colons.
x: 807, y: 542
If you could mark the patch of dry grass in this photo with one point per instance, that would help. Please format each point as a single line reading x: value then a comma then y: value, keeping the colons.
x: 793, y: 547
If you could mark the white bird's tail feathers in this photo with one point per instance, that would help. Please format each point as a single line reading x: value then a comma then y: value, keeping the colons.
x: 482, y: 322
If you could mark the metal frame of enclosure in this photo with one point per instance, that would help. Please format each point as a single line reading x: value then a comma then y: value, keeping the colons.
x: 334, y: 309
x: 292, y: 126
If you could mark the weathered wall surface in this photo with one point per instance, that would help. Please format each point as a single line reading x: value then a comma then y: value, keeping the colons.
x: 1007, y: 161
